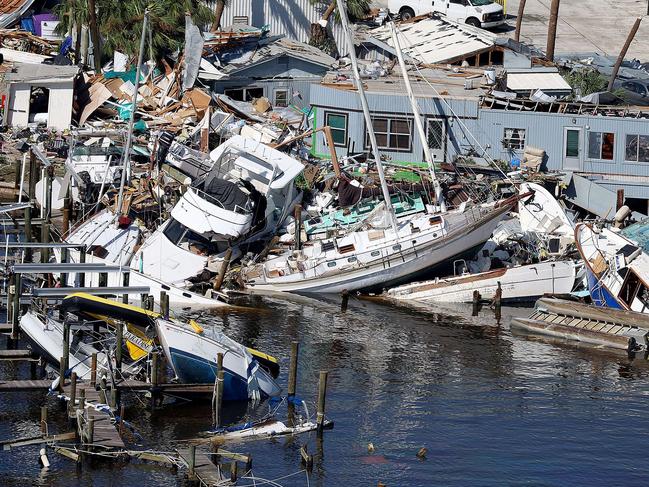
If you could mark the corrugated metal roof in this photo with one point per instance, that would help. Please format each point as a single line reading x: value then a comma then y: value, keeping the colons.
x: 292, y: 18
x: 437, y: 39
x: 536, y: 81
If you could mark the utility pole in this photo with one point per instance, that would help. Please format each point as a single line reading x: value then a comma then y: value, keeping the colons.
x: 625, y: 48
x: 552, y: 30
x: 519, y: 20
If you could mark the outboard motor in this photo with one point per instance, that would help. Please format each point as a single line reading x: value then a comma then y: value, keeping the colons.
x: 164, y: 143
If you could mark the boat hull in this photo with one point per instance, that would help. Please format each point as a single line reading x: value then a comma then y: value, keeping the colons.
x: 523, y: 283
x: 400, y: 267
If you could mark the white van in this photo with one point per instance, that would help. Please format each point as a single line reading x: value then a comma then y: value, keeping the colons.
x: 479, y: 13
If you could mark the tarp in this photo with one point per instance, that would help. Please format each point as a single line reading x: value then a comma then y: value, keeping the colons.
x: 193, y: 52
x: 227, y: 193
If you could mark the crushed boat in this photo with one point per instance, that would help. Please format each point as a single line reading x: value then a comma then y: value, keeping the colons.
x: 617, y: 269
x: 192, y: 353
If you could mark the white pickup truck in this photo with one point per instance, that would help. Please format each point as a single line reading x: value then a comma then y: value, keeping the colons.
x: 479, y: 13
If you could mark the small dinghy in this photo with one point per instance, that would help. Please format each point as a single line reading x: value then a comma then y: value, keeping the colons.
x: 192, y: 353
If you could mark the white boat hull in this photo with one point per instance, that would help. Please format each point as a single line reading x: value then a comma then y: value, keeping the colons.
x: 400, y: 267
x: 520, y: 283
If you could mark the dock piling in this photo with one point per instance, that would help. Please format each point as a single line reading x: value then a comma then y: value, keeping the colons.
x: 298, y: 227
x: 233, y: 472
x: 476, y: 302
x: 93, y: 370
x: 61, y: 373
x: 119, y: 334
x: 307, y: 460
x: 125, y: 282
x: 82, y: 400
x: 217, y: 399
x: 28, y: 233
x: 82, y: 275
x: 15, y: 308
x: 322, y: 393
x: 64, y: 259
x: 44, y: 420
x: 292, y: 371
x: 218, y: 282
x: 73, y: 395
x: 164, y: 304
x: 192, y: 461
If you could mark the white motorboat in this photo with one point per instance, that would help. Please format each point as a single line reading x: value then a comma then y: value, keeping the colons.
x: 192, y: 353
x: 519, y: 283
x: 248, y: 194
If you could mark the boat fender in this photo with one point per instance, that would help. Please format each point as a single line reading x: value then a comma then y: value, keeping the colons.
x: 196, y: 327
x: 622, y: 214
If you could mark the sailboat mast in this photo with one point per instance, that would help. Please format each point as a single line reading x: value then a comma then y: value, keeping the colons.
x: 417, y: 114
x: 129, y: 136
x: 342, y: 9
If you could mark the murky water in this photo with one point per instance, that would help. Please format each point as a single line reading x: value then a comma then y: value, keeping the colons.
x: 491, y: 408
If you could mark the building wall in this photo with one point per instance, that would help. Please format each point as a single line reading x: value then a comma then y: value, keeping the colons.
x: 468, y: 126
x: 290, y: 17
x: 59, y: 109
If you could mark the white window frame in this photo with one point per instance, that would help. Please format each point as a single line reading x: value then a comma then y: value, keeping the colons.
x: 277, y: 90
x: 515, y: 141
x: 637, y: 150
x: 389, y: 132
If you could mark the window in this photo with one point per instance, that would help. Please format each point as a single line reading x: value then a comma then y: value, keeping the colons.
x: 601, y: 145
x: 281, y: 98
x: 244, y: 94
x: 338, y: 124
x: 572, y: 143
x: 637, y: 148
x: 514, y: 139
x: 392, y: 133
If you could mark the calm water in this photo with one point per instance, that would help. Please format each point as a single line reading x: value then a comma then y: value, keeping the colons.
x: 492, y: 408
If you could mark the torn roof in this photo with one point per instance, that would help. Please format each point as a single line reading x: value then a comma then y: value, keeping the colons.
x: 42, y: 73
x: 436, y: 39
x: 12, y: 10
x: 546, y: 79
x: 271, y: 49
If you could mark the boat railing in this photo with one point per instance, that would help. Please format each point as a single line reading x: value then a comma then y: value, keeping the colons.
x: 216, y: 202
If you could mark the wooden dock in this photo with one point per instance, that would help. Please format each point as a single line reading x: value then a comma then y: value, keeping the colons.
x: 202, y: 469
x: 104, y: 434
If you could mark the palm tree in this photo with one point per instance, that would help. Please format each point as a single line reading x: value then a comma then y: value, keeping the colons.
x: 357, y: 9
x: 73, y: 14
x: 218, y: 13
x: 120, y: 22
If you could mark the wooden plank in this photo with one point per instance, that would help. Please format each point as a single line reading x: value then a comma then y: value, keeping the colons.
x: 15, y: 354
x: 204, y: 470
x: 24, y: 385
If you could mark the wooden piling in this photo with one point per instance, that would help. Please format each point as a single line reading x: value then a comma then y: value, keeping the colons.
x: 47, y: 203
x: 322, y: 394
x: 11, y: 291
x: 61, y: 373
x: 292, y: 371
x: 154, y: 368
x: 476, y: 302
x: 218, y: 392
x: 164, y: 304
x: 91, y: 429
x: 15, y: 307
x: 498, y: 297
x: 233, y: 472
x: 103, y: 279
x: 73, y: 395
x: 45, y: 238
x: 93, y: 370
x: 125, y: 282
x: 192, y: 461
x: 44, y: 420
x: 64, y: 259
x: 345, y: 300
x: 119, y: 334
x: 67, y: 210
x: 66, y: 343
x: 82, y: 275
x: 82, y: 400
x: 18, y: 172
x: 218, y: 282
x: 620, y: 197
x: 298, y: 227
x: 307, y: 460
x: 28, y: 232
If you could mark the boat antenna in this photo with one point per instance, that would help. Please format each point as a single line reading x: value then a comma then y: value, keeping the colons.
x: 126, y: 166
x: 439, y: 197
x: 342, y: 10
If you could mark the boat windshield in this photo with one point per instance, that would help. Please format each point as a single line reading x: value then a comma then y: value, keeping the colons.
x: 480, y: 3
x: 639, y: 233
x: 183, y: 237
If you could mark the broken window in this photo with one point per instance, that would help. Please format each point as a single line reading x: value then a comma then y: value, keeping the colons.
x: 392, y: 133
x: 637, y: 148
x: 601, y: 145
x: 39, y: 103
x: 338, y: 124
x: 244, y: 94
x: 514, y: 139
x: 281, y: 98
